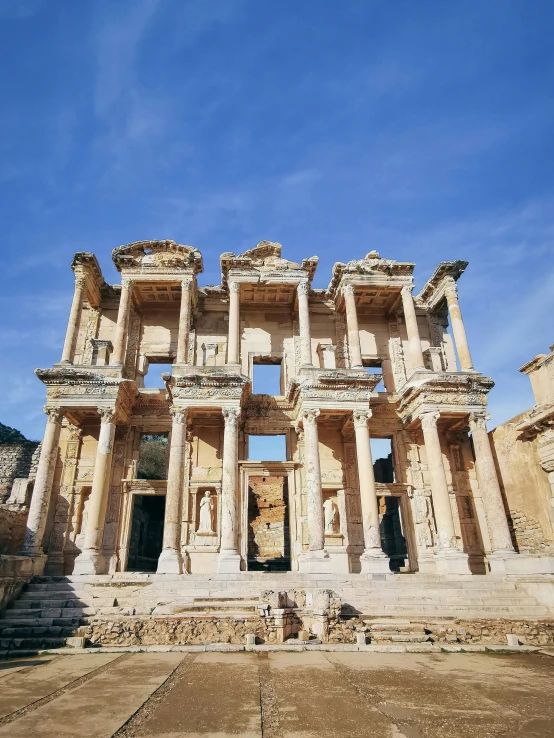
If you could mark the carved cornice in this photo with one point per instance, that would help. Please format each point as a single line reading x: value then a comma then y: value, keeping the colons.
x: 265, y: 262
x: 372, y: 265
x: 145, y: 256
x: 335, y: 385
x: 211, y: 386
x: 461, y: 392
x: 444, y: 275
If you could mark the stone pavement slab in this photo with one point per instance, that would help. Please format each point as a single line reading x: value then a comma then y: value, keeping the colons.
x: 100, y: 706
x: 219, y: 695
x: 23, y: 689
x: 315, y: 700
x: 11, y: 667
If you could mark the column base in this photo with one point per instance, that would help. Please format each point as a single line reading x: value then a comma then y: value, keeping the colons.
x: 170, y: 562
x: 374, y: 563
x: 55, y: 565
x: 228, y: 562
x: 510, y: 562
x: 452, y: 561
x: 89, y: 561
x: 315, y: 562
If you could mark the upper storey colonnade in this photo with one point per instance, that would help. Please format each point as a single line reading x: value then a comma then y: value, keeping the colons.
x: 160, y: 274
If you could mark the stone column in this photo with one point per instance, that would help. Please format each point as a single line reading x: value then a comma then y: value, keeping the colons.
x: 171, y: 561
x: 73, y: 322
x: 352, y: 326
x: 229, y: 556
x: 460, y: 338
x: 90, y: 560
x: 314, y: 494
x: 304, y: 324
x: 40, y: 501
x: 497, y: 523
x: 233, y: 343
x: 118, y: 355
x: 416, y: 355
x: 184, y: 322
x: 449, y: 560
x: 373, y: 559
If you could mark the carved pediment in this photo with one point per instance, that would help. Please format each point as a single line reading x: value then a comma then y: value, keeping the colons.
x: 147, y: 255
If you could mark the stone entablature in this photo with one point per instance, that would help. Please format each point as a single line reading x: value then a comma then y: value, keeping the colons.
x: 328, y: 408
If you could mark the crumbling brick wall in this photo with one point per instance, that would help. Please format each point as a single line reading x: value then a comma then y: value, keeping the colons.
x: 16, y: 460
x: 266, y: 517
x: 12, y: 529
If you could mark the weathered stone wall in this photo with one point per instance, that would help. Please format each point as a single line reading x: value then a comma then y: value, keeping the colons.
x: 16, y: 460
x: 482, y: 632
x: 12, y: 529
x: 526, y: 489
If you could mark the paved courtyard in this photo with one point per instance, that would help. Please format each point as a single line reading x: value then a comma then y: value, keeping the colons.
x: 278, y: 694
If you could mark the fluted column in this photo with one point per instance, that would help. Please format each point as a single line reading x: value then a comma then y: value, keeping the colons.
x: 229, y: 557
x: 118, y: 355
x: 184, y: 322
x: 416, y: 355
x: 373, y: 560
x: 304, y: 324
x: 171, y: 561
x: 448, y: 557
x: 352, y: 326
x: 233, y: 342
x: 499, y: 532
x: 460, y: 338
x: 38, y: 510
x: 90, y: 560
x: 73, y: 322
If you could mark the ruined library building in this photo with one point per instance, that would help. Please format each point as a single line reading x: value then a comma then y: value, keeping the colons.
x: 267, y: 431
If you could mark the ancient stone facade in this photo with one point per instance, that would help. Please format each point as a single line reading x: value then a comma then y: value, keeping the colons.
x: 524, y: 453
x: 334, y: 347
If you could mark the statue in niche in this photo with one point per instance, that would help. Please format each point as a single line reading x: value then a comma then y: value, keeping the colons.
x: 206, y: 523
x: 331, y: 514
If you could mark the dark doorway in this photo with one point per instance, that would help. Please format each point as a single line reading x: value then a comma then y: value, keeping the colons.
x: 268, y: 524
x: 145, y: 545
x: 392, y: 539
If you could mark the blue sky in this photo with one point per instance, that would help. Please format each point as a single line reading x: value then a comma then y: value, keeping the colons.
x: 420, y: 129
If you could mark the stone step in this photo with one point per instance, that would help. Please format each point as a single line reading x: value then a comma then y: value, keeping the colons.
x: 507, y: 613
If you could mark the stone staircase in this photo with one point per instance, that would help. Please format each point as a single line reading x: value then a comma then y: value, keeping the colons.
x: 51, y: 609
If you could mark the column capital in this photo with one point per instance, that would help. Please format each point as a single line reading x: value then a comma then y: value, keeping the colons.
x: 429, y: 419
x: 234, y: 287
x: 126, y: 283
x: 55, y: 414
x: 75, y: 433
x: 80, y: 281
x: 303, y: 288
x: 407, y: 290
x: 478, y: 420
x: 310, y: 415
x: 450, y: 288
x: 231, y: 415
x: 186, y: 284
x: 107, y: 414
x: 178, y: 414
x: 348, y: 289
x: 361, y: 418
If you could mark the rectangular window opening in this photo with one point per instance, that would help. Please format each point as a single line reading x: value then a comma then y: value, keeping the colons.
x: 267, y: 448
x: 383, y: 464
x: 153, y: 452
x: 374, y: 366
x: 266, y: 377
x: 153, y: 378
